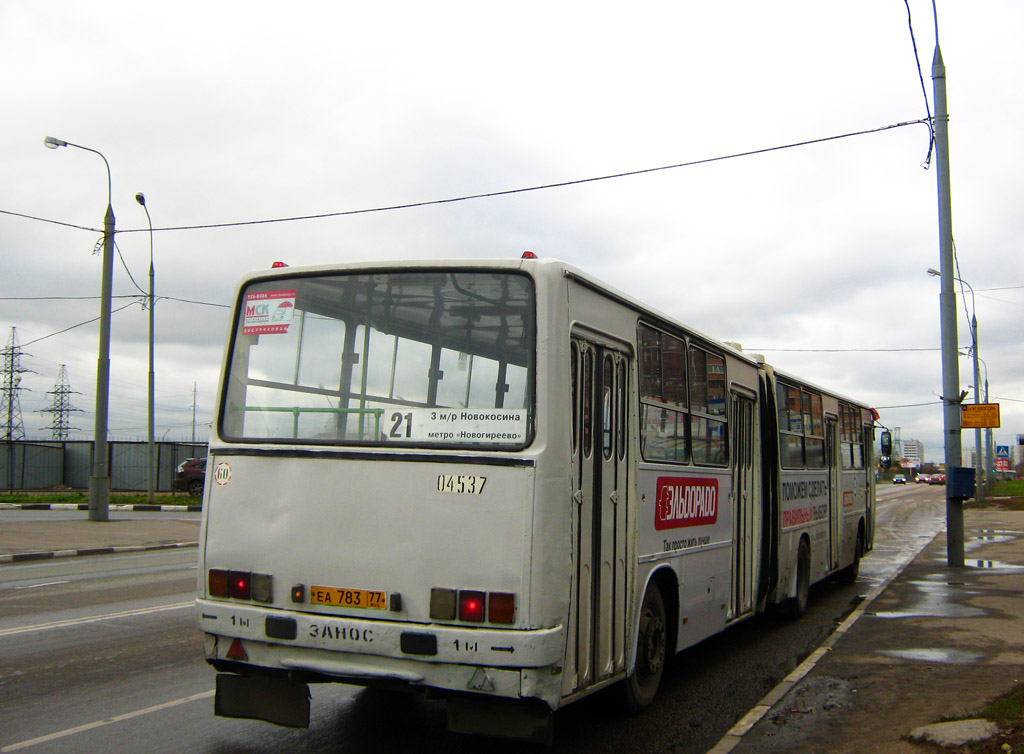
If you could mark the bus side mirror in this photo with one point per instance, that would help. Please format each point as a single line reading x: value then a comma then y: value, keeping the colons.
x: 887, y: 443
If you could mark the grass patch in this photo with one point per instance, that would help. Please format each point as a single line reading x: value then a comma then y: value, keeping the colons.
x: 71, y: 497
x: 1013, y: 487
x: 1011, y: 496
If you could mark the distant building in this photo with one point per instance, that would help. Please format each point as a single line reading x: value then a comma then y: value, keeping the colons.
x: 913, y: 454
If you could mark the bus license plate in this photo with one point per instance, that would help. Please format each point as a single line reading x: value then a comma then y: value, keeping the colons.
x: 339, y: 597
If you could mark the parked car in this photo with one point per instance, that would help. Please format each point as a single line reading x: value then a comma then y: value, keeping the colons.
x: 191, y: 476
x: 938, y: 479
x: 923, y: 479
x: 899, y: 479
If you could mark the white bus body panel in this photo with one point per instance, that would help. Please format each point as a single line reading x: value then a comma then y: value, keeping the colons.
x: 366, y: 531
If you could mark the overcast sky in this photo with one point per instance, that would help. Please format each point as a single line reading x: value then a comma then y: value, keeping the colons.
x: 225, y: 112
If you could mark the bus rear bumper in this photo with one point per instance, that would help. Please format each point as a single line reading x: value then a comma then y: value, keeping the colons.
x: 493, y: 662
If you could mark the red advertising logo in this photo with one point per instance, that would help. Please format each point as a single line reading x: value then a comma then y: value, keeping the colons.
x: 685, y: 502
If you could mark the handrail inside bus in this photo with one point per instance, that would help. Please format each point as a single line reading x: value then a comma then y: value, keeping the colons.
x: 296, y: 411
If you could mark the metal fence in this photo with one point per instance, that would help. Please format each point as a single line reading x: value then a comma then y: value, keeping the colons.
x: 29, y: 465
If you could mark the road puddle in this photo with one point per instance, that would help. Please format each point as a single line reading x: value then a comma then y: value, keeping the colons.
x: 936, y: 600
x: 944, y: 656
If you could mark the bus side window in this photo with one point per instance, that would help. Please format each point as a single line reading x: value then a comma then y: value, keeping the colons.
x: 608, y: 409
x: 574, y: 367
x: 620, y: 428
x: 588, y: 401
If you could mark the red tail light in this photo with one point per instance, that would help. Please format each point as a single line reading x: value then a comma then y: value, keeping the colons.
x: 471, y: 606
x: 240, y: 584
x: 501, y: 607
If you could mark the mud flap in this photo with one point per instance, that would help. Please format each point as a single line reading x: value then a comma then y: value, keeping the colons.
x: 521, y: 719
x: 273, y: 700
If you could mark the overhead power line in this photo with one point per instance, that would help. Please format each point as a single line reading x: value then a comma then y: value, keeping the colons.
x: 506, y: 192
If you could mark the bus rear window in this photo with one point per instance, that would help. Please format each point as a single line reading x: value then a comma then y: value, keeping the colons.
x: 411, y: 358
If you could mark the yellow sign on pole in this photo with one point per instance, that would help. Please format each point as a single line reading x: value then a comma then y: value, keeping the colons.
x: 979, y: 415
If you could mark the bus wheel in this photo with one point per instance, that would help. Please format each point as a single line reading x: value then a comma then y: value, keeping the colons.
x: 642, y: 683
x: 797, y: 605
x: 849, y: 574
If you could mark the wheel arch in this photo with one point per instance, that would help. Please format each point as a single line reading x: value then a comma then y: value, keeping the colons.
x: 668, y: 584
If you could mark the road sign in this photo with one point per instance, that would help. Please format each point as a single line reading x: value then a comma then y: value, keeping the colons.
x: 1002, y: 457
x: 979, y: 415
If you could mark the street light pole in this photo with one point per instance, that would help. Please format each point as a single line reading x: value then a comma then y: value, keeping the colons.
x: 979, y: 461
x: 99, y: 480
x: 947, y: 316
x: 151, y: 454
x: 979, y: 465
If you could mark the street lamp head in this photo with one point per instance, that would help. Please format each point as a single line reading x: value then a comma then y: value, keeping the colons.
x: 51, y: 143
x: 933, y: 272
x: 141, y: 198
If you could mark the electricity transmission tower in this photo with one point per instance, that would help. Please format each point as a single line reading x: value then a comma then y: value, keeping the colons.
x: 10, y: 406
x: 61, y: 407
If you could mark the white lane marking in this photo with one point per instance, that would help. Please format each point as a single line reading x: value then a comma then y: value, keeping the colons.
x: 48, y: 583
x: 94, y: 619
x: 106, y: 721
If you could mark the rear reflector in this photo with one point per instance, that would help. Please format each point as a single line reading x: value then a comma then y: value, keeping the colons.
x: 471, y: 606
x: 501, y: 607
x: 236, y: 651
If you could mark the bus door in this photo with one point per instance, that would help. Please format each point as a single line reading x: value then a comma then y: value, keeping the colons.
x: 835, y: 492
x: 868, y: 469
x: 744, y: 503
x: 597, y: 638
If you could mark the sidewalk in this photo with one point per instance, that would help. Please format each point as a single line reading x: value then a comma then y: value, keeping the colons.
x: 40, y: 540
x: 933, y: 643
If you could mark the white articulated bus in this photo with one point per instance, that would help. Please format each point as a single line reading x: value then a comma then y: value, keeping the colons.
x: 504, y: 482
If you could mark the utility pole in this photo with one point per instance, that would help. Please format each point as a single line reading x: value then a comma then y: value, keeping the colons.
x: 951, y: 395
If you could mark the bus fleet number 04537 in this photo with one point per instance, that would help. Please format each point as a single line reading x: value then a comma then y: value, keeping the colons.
x: 461, y: 484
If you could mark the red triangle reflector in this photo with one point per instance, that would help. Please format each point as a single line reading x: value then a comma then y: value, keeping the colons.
x: 237, y: 652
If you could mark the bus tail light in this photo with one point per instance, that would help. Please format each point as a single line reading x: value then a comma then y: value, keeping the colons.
x: 218, y: 583
x: 471, y: 606
x: 262, y: 587
x: 442, y: 604
x: 501, y: 607
x: 240, y: 584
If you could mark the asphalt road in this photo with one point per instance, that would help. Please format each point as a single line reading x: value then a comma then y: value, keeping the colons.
x: 102, y: 653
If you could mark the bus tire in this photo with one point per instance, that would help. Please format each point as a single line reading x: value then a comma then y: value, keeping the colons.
x: 797, y: 604
x: 641, y: 685
x: 849, y: 574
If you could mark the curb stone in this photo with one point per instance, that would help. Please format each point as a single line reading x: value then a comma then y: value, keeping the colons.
x: 53, y: 554
x: 85, y: 507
